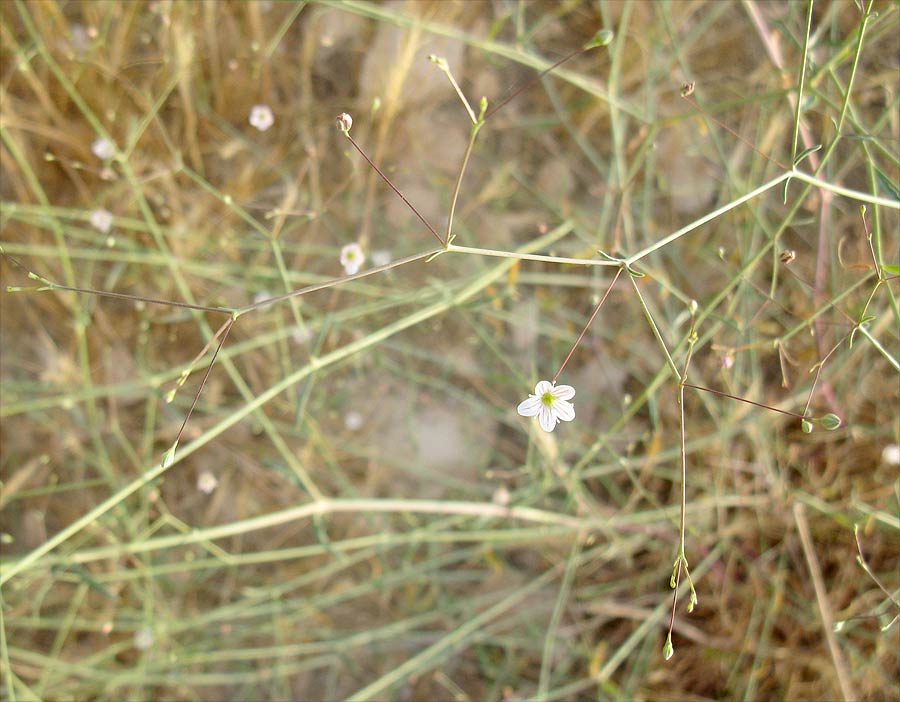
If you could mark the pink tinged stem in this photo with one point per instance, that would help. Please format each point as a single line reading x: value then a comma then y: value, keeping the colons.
x: 583, y: 331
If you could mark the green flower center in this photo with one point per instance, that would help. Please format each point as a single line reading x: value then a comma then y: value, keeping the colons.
x: 547, y: 399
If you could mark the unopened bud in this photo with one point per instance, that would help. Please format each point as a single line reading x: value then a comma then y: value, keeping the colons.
x: 344, y: 122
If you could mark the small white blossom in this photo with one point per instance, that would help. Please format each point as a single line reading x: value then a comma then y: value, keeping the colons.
x: 301, y: 335
x: 102, y: 220
x: 501, y: 496
x: 550, y: 403
x: 381, y: 257
x: 103, y: 148
x: 261, y: 117
x: 891, y: 455
x: 353, y: 420
x: 352, y: 258
x: 207, y: 482
x: 143, y: 638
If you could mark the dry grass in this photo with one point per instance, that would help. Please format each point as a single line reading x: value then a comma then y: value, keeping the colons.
x: 357, y: 545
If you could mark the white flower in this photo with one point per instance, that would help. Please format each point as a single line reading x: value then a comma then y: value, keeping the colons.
x: 261, y: 117
x: 352, y: 258
x: 143, y: 638
x: 207, y: 482
x: 381, y: 257
x: 353, y: 420
x: 103, y: 148
x: 891, y: 455
x: 301, y: 335
x: 501, y: 496
x: 102, y: 220
x: 550, y: 403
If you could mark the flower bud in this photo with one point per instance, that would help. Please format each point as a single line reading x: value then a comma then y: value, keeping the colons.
x: 344, y: 122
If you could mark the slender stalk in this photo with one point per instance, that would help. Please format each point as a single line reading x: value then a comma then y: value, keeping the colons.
x: 655, y: 329
x: 49, y: 285
x: 708, y: 218
x: 594, y: 314
x: 846, y: 192
x: 394, y: 188
x: 337, y: 281
x: 448, y: 237
x: 453, y: 248
x: 743, y: 399
x: 802, y: 83
x: 445, y: 68
x: 527, y: 84
x: 227, y: 328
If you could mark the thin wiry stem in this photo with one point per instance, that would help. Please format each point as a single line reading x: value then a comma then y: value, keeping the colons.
x: 583, y: 331
x: 453, y: 248
x: 226, y: 328
x: 448, y: 237
x: 799, y: 101
x: 394, y: 188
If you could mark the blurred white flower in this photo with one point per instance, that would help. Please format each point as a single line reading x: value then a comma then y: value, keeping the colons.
x: 143, y: 638
x: 891, y: 455
x: 381, y: 257
x: 102, y: 220
x: 550, y: 404
x: 301, y: 335
x: 103, y: 148
x: 501, y: 496
x: 352, y: 258
x: 207, y: 482
x: 353, y: 420
x: 261, y: 117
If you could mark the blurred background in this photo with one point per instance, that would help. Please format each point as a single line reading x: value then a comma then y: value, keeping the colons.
x: 187, y: 152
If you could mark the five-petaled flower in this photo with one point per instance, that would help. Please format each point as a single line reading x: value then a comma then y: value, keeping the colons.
x: 550, y: 403
x: 352, y: 258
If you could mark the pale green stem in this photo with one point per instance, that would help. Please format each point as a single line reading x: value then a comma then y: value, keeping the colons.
x: 794, y: 173
x: 553, y: 521
x: 883, y: 351
x: 846, y: 192
x: 655, y: 329
x: 797, y: 107
x: 453, y: 248
x: 707, y: 218
x: 445, y: 68
x: 448, y: 237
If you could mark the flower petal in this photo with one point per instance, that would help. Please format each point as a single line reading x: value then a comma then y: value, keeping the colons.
x: 564, y: 410
x: 547, y: 418
x: 543, y: 386
x: 529, y: 407
x: 563, y: 392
